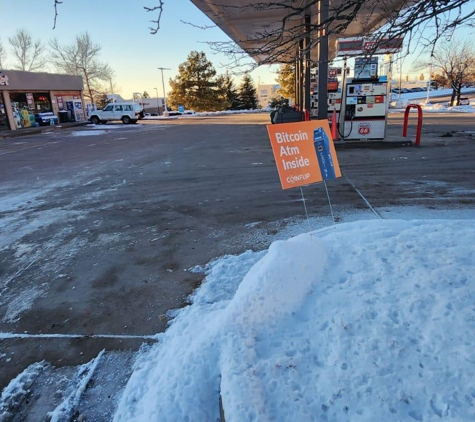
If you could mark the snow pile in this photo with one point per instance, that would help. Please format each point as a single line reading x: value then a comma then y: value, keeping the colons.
x: 429, y: 104
x: 437, y: 107
x: 372, y: 320
x: 208, y: 113
x: 19, y: 388
x: 64, y: 410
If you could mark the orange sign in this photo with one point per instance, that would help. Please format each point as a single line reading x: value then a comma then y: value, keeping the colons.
x: 304, y: 152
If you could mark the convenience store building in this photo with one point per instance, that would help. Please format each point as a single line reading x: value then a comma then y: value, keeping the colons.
x: 29, y: 99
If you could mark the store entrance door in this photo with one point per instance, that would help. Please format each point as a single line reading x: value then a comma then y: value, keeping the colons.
x: 3, y: 115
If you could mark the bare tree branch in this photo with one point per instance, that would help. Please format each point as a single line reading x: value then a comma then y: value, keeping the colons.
x: 2, y: 55
x: 204, y: 27
x: 456, y: 62
x: 28, y: 53
x: 279, y: 41
x: 82, y: 58
x: 56, y: 2
x: 153, y: 31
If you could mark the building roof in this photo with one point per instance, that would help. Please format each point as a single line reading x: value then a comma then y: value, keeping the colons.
x: 116, y: 98
x: 21, y: 80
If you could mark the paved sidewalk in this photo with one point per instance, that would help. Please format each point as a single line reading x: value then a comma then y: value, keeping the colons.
x: 39, y: 129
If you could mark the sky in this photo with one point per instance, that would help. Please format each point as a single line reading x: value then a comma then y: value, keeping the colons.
x: 122, y: 30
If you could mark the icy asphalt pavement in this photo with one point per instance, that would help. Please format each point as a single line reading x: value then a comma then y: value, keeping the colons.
x: 101, y: 226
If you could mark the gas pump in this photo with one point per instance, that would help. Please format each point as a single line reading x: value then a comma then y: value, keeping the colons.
x: 334, y: 103
x: 364, y: 103
x: 333, y: 92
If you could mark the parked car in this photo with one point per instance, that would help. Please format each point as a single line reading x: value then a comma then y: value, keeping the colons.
x: 464, y: 101
x: 127, y: 112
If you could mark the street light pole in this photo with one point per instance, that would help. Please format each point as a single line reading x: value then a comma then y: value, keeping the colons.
x: 430, y: 81
x: 156, y: 91
x: 163, y: 85
x: 112, y: 91
x: 400, y: 79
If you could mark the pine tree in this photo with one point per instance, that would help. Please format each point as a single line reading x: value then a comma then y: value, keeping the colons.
x: 196, y: 85
x: 222, y: 102
x: 230, y: 93
x: 247, y: 94
x: 102, y: 100
x: 286, y: 80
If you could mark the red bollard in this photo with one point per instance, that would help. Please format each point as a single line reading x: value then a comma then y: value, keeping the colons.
x: 419, y: 122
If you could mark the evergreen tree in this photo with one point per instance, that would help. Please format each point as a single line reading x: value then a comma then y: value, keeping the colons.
x: 230, y: 93
x: 102, y: 100
x: 196, y: 85
x: 286, y: 80
x: 222, y: 102
x: 145, y: 94
x: 247, y: 94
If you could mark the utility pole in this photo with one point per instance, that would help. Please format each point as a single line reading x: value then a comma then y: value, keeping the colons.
x: 430, y: 81
x: 163, y: 85
x: 112, y: 91
x: 156, y: 91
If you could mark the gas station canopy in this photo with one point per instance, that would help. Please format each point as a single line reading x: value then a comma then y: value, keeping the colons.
x: 270, y: 31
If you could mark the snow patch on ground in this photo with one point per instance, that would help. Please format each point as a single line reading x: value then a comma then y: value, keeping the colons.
x: 19, y: 387
x: 24, y: 213
x: 22, y: 302
x: 63, y: 411
x: 89, y: 133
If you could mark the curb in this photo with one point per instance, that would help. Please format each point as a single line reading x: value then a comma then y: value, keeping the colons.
x: 373, y: 144
x: 35, y: 130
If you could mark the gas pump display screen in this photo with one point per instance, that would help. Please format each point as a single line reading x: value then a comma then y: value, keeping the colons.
x: 354, y: 90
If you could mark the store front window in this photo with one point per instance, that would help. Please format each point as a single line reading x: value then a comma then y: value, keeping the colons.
x: 3, y: 115
x: 26, y: 105
x: 21, y: 111
x: 42, y: 102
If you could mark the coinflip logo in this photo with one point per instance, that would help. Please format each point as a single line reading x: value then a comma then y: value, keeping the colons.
x: 298, y: 178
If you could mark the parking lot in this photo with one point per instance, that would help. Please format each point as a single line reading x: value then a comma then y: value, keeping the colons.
x: 102, y: 227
